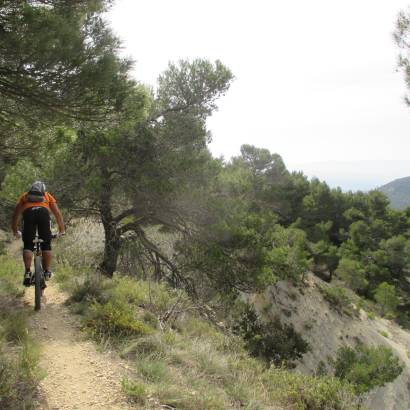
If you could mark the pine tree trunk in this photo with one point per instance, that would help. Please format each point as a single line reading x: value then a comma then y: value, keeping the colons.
x: 111, y: 251
x: 112, y: 240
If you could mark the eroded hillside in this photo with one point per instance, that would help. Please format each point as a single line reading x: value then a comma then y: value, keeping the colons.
x: 328, y: 326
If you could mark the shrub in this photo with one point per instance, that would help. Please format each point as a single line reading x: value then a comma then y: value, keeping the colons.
x: 2, y: 248
x: 153, y: 370
x: 366, y: 367
x: 182, y: 398
x: 92, y: 288
x: 383, y: 333
x: 135, y: 390
x: 386, y: 296
x: 10, y: 286
x: 337, y: 298
x: 273, y: 341
x: 19, y: 373
x: 371, y: 315
x: 297, y: 391
x: 114, y: 320
x: 353, y: 273
x: 15, y: 327
x: 145, y: 346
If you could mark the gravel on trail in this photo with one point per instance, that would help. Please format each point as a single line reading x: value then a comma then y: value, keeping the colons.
x: 78, y: 376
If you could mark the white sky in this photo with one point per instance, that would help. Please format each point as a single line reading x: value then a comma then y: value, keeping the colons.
x: 315, y: 80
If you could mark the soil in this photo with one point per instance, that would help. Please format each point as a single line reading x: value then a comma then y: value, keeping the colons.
x: 78, y: 376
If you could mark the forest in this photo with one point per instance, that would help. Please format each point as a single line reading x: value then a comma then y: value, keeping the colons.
x: 134, y: 159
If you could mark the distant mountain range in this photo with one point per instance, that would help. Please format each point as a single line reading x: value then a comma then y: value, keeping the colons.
x: 398, y: 192
x: 353, y: 175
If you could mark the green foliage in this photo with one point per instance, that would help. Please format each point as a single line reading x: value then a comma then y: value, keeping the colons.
x: 19, y: 355
x: 352, y: 273
x: 59, y: 58
x: 153, y: 370
x: 272, y: 341
x: 136, y: 391
x: 145, y: 346
x: 306, y: 392
x: 248, y: 250
x: 371, y: 315
x: 114, y: 320
x: 366, y: 367
x: 387, y: 298
x: 166, y: 136
x: 337, y: 298
x: 19, y: 376
x: 10, y: 287
x: 188, y: 362
x: 19, y: 180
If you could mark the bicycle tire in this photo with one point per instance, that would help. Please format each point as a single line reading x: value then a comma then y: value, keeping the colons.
x: 37, y: 282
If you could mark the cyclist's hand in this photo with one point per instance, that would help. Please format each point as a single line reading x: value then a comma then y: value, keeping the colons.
x: 17, y: 234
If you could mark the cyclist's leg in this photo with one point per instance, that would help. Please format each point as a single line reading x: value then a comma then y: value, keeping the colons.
x: 28, y: 235
x: 44, y: 232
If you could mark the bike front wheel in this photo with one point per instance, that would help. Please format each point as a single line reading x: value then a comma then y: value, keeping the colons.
x: 38, y: 269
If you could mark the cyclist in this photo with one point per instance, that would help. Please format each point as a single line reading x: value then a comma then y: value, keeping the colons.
x: 35, y: 206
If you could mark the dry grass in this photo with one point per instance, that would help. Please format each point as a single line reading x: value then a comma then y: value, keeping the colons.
x: 183, y: 362
x: 19, y: 355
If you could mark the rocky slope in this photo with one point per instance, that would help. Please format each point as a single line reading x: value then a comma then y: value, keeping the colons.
x: 326, y: 329
x: 398, y: 192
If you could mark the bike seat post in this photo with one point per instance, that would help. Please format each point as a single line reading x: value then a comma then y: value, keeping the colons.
x: 37, y: 241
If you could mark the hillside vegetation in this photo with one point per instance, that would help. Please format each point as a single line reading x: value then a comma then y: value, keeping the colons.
x: 19, y: 355
x: 182, y: 357
x: 398, y: 192
x: 184, y: 238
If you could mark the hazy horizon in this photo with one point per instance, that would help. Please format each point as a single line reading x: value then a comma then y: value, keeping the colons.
x: 363, y: 175
x: 305, y: 87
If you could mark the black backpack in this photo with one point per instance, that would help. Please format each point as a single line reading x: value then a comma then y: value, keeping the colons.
x: 37, y: 192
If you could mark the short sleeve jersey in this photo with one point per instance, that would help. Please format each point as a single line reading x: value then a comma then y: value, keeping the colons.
x: 48, y: 199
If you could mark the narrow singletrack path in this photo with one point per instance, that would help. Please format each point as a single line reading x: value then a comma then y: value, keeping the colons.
x: 77, y: 375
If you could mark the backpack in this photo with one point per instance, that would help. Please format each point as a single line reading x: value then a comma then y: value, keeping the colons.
x: 37, y: 192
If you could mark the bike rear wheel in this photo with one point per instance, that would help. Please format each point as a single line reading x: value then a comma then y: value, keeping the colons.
x: 38, y: 270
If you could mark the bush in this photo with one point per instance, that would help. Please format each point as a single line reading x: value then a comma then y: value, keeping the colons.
x: 145, y: 346
x: 273, y: 341
x: 353, y: 273
x: 10, y: 286
x: 92, y: 288
x: 366, y: 367
x: 153, y: 370
x: 337, y: 298
x: 114, y: 320
x: 387, y: 298
x: 135, y: 390
x: 19, y: 373
x: 19, y: 356
x: 300, y: 392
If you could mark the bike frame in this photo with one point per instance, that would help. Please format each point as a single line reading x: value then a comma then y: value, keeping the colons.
x: 38, y: 273
x: 39, y: 278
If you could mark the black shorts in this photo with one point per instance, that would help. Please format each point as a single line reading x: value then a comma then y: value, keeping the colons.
x: 36, y: 219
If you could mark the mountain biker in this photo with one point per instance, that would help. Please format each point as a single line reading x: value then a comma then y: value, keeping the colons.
x: 35, y: 206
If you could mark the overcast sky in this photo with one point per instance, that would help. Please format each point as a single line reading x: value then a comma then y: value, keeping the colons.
x: 316, y: 81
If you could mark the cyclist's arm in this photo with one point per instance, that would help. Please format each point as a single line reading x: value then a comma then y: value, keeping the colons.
x: 16, y: 217
x: 59, y: 218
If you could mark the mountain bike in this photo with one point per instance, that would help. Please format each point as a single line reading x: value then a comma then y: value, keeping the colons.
x: 39, y: 279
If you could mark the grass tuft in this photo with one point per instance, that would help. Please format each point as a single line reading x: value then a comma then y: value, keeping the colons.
x: 153, y: 370
x: 114, y: 320
x: 19, y: 355
x: 135, y: 390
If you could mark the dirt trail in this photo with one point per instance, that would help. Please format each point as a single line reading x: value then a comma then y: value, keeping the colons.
x: 77, y: 375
